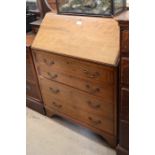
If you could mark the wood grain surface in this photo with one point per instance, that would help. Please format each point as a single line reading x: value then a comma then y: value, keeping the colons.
x: 89, y: 71
x: 89, y: 38
x: 76, y: 59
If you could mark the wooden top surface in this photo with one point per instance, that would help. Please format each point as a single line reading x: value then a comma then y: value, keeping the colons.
x: 91, y: 38
x: 29, y: 39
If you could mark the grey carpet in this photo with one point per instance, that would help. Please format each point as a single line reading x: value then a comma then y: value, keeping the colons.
x: 57, y: 136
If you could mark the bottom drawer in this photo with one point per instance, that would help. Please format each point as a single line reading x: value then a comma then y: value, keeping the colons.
x: 124, y: 134
x: 32, y: 90
x: 98, y: 122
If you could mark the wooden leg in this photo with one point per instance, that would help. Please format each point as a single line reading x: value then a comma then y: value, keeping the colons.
x: 49, y: 113
x: 111, y: 140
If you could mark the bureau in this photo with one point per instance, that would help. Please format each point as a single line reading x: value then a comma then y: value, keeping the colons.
x: 76, y: 59
x: 123, y: 118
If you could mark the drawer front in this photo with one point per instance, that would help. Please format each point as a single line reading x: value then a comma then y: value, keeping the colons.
x: 124, y: 107
x: 105, y: 90
x: 124, y: 136
x: 125, y: 71
x: 32, y: 90
x: 101, y: 123
x: 125, y: 41
x: 77, y: 99
x: 73, y: 67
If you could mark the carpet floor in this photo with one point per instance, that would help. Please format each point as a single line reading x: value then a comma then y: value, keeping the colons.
x: 56, y: 136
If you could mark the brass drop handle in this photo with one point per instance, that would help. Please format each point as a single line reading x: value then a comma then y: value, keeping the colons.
x: 57, y: 105
x: 55, y: 91
x: 52, y: 76
x: 94, y: 105
x: 92, y: 90
x: 96, y: 122
x: 91, y: 75
x: 48, y: 63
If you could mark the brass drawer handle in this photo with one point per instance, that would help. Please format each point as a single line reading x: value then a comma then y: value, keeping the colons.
x: 48, y: 63
x: 52, y: 76
x: 95, y: 122
x: 55, y: 91
x: 90, y: 75
x: 57, y: 105
x: 92, y: 91
x: 94, y: 105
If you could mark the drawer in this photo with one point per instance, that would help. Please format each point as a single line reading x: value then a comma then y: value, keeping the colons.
x: 75, y: 98
x: 104, y: 90
x: 101, y: 123
x: 32, y: 90
x: 124, y: 134
x: 125, y: 41
x: 125, y: 70
x: 124, y: 107
x: 89, y: 71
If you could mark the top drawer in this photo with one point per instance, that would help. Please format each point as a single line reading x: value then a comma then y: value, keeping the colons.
x: 74, y: 67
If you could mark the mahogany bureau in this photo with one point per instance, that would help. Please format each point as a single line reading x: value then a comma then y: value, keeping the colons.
x: 76, y: 59
x: 123, y: 119
x: 33, y: 95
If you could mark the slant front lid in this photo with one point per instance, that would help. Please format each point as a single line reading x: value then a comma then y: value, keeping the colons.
x: 90, y: 38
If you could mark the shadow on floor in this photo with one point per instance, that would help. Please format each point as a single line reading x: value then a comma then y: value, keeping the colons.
x: 80, y: 130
